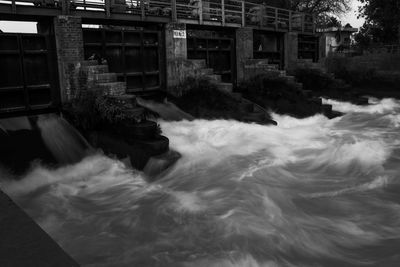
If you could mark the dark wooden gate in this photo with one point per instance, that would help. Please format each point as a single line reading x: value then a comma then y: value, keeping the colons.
x: 28, y: 73
x: 218, y: 51
x: 133, y: 54
x: 269, y: 45
x: 308, y: 47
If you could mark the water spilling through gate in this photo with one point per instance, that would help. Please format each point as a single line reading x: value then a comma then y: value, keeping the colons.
x: 311, y: 192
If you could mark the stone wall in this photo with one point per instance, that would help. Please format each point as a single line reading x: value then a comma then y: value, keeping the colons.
x: 254, y: 67
x: 291, y: 49
x: 176, y: 54
x: 69, y: 48
x: 244, y: 51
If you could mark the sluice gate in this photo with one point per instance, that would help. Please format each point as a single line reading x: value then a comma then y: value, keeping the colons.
x: 29, y: 74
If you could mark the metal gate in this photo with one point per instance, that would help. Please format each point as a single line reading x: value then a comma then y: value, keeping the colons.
x: 218, y: 51
x: 133, y: 54
x: 28, y: 80
x: 269, y: 45
x: 308, y: 47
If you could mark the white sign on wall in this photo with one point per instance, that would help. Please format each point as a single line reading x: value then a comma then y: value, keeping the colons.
x: 180, y: 34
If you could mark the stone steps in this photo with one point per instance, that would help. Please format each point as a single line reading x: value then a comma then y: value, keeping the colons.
x: 226, y: 87
x: 199, y: 63
x: 204, y: 71
x: 86, y: 63
x: 247, y: 106
x: 95, y: 69
x: 214, y: 78
x: 125, y: 99
x: 112, y: 88
x: 290, y: 78
x: 307, y: 93
x: 105, y: 77
x: 135, y: 112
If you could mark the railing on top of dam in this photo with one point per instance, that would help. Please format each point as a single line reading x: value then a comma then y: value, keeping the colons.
x: 233, y: 13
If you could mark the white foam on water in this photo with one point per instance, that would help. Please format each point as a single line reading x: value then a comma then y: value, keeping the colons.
x: 382, y: 106
x: 242, y: 195
x: 87, y: 174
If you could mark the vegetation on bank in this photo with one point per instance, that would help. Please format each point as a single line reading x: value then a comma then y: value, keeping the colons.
x: 318, y: 81
x: 280, y: 95
x: 202, y: 99
x: 91, y: 111
x: 362, y: 75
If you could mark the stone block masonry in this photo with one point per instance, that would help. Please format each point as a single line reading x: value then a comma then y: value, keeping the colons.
x: 244, y: 51
x: 176, y: 53
x: 69, y: 47
x: 291, y: 49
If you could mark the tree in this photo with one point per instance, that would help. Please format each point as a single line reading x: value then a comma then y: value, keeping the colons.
x: 382, y: 21
x: 321, y: 7
x: 329, y: 22
x: 318, y: 7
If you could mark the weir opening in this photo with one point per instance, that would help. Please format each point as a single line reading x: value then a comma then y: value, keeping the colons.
x: 307, y: 192
x: 27, y: 60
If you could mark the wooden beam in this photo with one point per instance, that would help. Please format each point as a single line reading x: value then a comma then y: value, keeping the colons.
x: 223, y: 12
x: 243, y: 14
x: 174, y: 11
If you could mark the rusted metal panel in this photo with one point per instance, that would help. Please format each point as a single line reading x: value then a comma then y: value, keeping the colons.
x: 232, y: 13
x: 134, y: 54
x: 28, y: 82
x: 217, y: 48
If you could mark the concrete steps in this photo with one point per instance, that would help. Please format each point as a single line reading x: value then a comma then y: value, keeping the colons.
x: 204, y: 71
x: 214, y: 78
x: 112, y: 88
x: 89, y: 63
x: 289, y: 78
x: 95, y: 69
x: 226, y: 87
x: 105, y: 77
x: 125, y: 99
x: 199, y: 63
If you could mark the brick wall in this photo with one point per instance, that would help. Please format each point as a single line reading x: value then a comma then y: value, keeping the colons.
x: 69, y: 47
x: 176, y: 54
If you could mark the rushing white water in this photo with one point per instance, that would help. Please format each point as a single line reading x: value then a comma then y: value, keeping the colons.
x: 312, y: 192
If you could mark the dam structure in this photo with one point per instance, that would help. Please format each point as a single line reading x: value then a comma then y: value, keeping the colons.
x: 125, y: 48
x: 149, y: 45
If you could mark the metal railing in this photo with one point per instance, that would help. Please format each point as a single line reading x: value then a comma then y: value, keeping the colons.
x: 213, y: 12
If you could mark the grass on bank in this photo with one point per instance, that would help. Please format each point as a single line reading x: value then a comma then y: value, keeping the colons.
x: 279, y: 95
x: 202, y: 99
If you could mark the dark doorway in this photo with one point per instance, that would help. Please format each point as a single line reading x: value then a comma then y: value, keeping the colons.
x: 28, y: 80
x: 308, y: 47
x: 269, y: 45
x: 133, y: 54
x: 217, y: 49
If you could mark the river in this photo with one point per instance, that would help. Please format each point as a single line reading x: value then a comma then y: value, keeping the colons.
x: 310, y: 192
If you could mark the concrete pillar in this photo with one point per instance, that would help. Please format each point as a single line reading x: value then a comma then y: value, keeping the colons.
x: 69, y: 48
x: 244, y: 51
x: 323, y: 53
x: 176, y: 51
x: 291, y: 49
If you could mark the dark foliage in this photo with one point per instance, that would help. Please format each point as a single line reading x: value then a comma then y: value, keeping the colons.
x: 82, y: 112
x: 382, y: 23
x: 318, y: 81
x: 90, y: 112
x: 278, y: 95
x: 202, y: 99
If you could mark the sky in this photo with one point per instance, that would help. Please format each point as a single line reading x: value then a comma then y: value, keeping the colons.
x: 351, y: 17
x: 29, y: 27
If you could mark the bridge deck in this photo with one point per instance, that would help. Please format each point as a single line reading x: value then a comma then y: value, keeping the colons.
x: 231, y: 13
